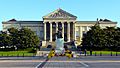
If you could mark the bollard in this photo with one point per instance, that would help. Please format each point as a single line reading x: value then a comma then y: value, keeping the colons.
x: 23, y: 54
x: 116, y: 54
x: 100, y: 53
x: 90, y: 52
x: 111, y: 53
x: 95, y: 53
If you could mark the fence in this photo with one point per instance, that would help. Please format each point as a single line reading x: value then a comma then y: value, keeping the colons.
x: 17, y: 55
x: 43, y: 53
x: 102, y: 53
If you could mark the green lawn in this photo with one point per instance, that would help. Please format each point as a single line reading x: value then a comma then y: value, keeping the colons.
x: 26, y: 53
x: 103, y: 52
x: 15, y: 53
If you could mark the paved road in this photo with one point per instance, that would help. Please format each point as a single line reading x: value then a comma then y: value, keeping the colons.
x: 62, y: 62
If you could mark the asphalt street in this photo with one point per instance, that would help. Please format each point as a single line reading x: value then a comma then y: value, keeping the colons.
x: 61, y: 62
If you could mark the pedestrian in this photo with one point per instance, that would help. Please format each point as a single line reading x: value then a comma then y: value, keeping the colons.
x: 85, y: 52
x: 80, y: 51
x: 90, y: 52
x: 39, y: 47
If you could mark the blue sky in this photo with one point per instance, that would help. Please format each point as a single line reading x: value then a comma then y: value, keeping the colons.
x: 85, y: 10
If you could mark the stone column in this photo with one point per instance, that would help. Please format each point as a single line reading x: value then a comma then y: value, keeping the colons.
x: 63, y: 30
x: 56, y: 27
x: 68, y: 32
x: 45, y: 31
x: 50, y: 31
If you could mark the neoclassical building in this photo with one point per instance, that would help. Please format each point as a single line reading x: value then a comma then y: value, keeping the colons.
x: 58, y: 20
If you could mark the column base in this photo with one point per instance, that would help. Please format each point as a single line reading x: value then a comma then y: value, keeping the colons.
x: 43, y: 43
x: 50, y: 41
x: 68, y: 40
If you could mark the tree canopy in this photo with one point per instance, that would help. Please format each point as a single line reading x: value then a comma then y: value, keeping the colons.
x: 108, y: 37
x: 20, y: 38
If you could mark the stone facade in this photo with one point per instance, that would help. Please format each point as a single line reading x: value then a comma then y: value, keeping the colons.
x: 58, y: 20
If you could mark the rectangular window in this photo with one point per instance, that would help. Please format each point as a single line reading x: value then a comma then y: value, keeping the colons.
x: 77, y: 33
x: 41, y: 34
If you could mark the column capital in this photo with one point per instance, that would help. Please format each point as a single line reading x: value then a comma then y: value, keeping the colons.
x: 45, y: 22
x: 68, y: 22
x: 63, y: 22
x: 51, y: 22
x: 56, y: 22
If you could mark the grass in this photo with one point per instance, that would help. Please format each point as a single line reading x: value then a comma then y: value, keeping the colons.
x: 26, y: 53
x: 103, y: 52
x: 15, y: 53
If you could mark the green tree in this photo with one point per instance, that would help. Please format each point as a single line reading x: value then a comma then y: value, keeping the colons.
x: 20, y: 39
x: 5, y: 40
x: 94, y: 37
x: 117, y: 38
x: 14, y: 36
x: 27, y: 38
x: 110, y: 36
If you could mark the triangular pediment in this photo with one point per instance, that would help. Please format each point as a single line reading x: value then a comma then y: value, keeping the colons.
x: 59, y: 13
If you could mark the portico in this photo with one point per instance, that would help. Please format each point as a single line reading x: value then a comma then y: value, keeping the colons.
x: 59, y: 20
x: 51, y: 28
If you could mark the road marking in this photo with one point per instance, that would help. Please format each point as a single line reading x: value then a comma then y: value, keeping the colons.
x: 84, y: 64
x: 38, y: 65
x: 42, y: 63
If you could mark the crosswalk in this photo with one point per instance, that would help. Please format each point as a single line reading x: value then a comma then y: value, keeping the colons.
x: 63, y: 65
x: 62, y: 62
